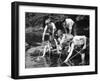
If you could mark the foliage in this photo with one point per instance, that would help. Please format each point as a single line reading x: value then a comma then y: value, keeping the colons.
x: 35, y: 24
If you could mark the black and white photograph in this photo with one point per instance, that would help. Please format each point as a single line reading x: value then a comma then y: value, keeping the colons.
x: 51, y: 40
x: 56, y: 40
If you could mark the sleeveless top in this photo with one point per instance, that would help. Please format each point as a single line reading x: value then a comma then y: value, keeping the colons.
x: 49, y: 28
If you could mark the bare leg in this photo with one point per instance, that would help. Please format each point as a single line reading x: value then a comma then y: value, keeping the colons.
x: 44, y: 51
x: 49, y: 47
x: 83, y: 58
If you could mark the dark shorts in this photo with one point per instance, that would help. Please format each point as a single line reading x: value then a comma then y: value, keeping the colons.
x: 79, y: 49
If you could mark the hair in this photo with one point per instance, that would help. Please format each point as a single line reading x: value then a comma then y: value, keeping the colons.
x: 44, y: 19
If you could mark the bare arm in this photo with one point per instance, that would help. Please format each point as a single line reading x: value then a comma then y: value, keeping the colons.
x: 71, y: 51
x: 54, y: 28
x: 57, y: 46
x: 84, y: 43
x: 44, y: 33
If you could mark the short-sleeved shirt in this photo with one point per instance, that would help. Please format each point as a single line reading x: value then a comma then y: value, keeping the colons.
x: 69, y: 23
x: 79, y: 40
